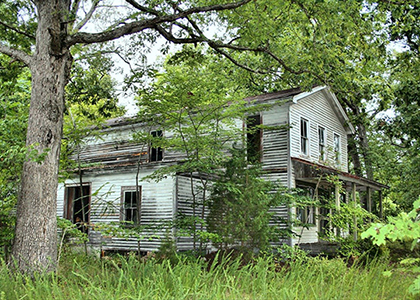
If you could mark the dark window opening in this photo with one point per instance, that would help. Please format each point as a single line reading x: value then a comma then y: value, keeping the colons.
x: 321, y: 142
x: 304, y: 136
x: 77, y: 206
x: 253, y: 139
x: 156, y: 153
x: 130, y: 206
x: 306, y: 213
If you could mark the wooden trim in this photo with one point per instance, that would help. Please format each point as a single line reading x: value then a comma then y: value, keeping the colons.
x: 123, y: 190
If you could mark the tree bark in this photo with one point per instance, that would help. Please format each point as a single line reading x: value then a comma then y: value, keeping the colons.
x: 353, y: 151
x: 35, y: 244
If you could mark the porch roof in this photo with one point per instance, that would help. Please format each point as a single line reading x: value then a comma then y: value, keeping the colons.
x: 313, y: 173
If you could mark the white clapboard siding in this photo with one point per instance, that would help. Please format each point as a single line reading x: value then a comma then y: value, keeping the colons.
x: 157, y: 204
x: 110, y: 162
x: 186, y: 186
x: 275, y: 141
x: 318, y: 111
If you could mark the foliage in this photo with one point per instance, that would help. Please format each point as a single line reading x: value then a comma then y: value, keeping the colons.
x: 68, y: 231
x: 398, y: 129
x: 81, y: 277
x: 198, y: 107
x: 91, y: 87
x: 14, y: 105
x: 404, y: 227
x: 239, y: 206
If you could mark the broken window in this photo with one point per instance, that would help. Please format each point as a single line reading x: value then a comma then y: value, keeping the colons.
x: 306, y: 213
x: 253, y: 139
x: 77, y: 205
x: 321, y: 143
x: 130, y: 204
x: 304, y: 136
x: 156, y: 152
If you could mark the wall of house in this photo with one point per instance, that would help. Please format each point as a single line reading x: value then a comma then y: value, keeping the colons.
x: 318, y: 111
x: 275, y: 141
x: 158, y: 204
x: 186, y: 187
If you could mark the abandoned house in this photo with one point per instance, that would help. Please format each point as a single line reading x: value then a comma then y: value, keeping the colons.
x: 313, y: 146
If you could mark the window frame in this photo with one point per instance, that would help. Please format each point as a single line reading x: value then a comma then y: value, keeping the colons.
x: 307, y: 214
x: 254, y: 140
x: 322, y: 144
x: 155, y: 153
x: 337, y: 152
x: 68, y: 211
x: 304, y: 140
x: 123, y: 214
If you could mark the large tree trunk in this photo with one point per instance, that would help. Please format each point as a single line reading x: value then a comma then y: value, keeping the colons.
x: 35, y: 244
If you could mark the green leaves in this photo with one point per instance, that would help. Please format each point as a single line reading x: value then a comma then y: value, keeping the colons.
x: 404, y: 227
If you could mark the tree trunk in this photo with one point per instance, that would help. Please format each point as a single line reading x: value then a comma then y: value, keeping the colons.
x: 35, y: 244
x: 364, y: 146
x: 353, y: 151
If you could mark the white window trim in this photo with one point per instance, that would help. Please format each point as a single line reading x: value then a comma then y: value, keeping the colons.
x: 324, y: 155
x: 337, y: 160
x: 308, y: 154
x: 125, y: 189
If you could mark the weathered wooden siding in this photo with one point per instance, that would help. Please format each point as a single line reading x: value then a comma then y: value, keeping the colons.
x: 275, y: 141
x: 185, y: 187
x: 307, y: 235
x: 157, y: 205
x: 113, y: 157
x: 318, y: 111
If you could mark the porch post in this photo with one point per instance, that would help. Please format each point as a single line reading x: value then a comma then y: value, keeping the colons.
x: 353, y: 196
x: 337, y: 204
x: 381, y: 211
x: 369, y: 201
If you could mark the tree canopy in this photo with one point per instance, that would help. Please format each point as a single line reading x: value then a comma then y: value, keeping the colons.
x: 280, y: 44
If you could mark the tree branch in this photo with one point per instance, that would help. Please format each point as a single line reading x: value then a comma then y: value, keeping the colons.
x: 87, y: 16
x: 17, y: 30
x: 142, y: 8
x: 17, y: 54
x: 138, y: 26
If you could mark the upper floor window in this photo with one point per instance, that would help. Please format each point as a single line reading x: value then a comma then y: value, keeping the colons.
x: 321, y: 143
x: 253, y: 139
x: 337, y: 148
x: 304, y: 136
x: 129, y: 204
x: 156, y: 152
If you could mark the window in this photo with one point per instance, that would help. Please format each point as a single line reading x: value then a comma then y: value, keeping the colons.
x: 304, y: 136
x: 129, y: 204
x: 337, y: 148
x: 77, y: 205
x: 156, y: 153
x: 306, y: 213
x: 321, y: 143
x: 253, y: 139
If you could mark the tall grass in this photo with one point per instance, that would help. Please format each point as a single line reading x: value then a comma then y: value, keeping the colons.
x: 82, y: 277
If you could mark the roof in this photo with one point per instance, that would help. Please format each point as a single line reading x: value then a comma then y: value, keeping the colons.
x: 294, y: 95
x: 297, y: 94
x: 275, y: 95
x: 311, y: 172
x: 335, y: 104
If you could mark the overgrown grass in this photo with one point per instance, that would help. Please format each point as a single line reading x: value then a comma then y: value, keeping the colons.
x: 83, y: 277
